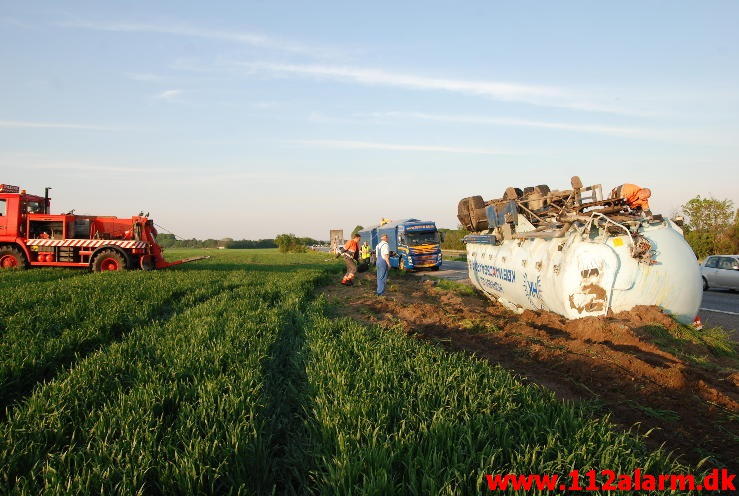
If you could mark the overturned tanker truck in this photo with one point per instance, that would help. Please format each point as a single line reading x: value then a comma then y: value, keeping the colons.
x: 577, y: 254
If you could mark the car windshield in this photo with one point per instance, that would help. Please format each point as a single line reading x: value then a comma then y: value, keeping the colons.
x: 422, y: 238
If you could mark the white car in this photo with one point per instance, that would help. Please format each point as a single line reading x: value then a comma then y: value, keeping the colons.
x: 721, y: 271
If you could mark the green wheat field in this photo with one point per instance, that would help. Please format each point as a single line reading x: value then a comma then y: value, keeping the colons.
x: 233, y: 376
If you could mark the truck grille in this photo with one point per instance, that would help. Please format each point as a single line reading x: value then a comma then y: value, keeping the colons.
x: 425, y: 255
x: 424, y: 250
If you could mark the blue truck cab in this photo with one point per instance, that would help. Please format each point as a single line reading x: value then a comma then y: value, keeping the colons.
x: 414, y: 244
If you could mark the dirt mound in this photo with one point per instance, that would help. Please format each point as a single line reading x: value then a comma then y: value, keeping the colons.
x: 630, y: 362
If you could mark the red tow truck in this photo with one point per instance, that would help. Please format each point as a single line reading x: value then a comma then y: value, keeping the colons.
x: 30, y: 236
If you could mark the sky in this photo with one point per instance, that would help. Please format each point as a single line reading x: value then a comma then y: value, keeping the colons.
x: 249, y: 119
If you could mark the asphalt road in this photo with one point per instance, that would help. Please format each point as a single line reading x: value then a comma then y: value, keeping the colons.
x: 718, y: 308
x: 456, y: 271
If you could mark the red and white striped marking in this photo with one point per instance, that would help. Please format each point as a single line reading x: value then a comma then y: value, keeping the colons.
x: 87, y: 243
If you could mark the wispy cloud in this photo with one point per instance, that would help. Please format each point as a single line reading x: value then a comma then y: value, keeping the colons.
x: 507, y: 121
x: 320, y: 117
x: 52, y: 125
x: 241, y: 37
x: 12, y: 21
x: 43, y: 162
x: 89, y: 167
x: 695, y: 136
x: 381, y: 77
x: 145, y: 77
x: 169, y: 95
x: 369, y: 145
x: 510, y: 92
x: 267, y: 104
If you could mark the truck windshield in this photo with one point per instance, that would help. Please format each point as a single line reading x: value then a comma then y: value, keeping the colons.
x: 422, y: 238
x: 34, y: 207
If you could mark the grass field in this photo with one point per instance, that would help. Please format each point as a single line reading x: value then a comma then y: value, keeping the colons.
x: 232, y: 376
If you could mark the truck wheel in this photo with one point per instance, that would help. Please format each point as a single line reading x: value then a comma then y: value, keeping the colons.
x: 108, y: 260
x: 705, y: 284
x: 10, y: 258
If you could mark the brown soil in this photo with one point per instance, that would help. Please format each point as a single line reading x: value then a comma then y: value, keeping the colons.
x: 692, y: 407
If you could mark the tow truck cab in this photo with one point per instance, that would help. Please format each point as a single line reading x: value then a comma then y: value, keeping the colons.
x: 15, y: 207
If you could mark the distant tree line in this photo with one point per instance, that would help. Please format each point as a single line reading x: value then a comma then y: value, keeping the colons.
x: 250, y: 243
x: 711, y: 226
x: 170, y: 241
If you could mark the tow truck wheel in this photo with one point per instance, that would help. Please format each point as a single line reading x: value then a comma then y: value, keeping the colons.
x: 108, y: 260
x: 10, y: 258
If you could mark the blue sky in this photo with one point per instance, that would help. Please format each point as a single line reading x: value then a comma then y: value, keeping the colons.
x: 248, y: 119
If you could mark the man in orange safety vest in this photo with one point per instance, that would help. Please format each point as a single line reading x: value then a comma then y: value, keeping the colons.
x: 635, y: 196
x: 350, y: 253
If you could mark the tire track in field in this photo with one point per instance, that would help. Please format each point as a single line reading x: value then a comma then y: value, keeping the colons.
x: 284, y: 436
x: 23, y: 382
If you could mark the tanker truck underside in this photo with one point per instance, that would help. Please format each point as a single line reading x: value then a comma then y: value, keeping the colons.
x: 577, y: 254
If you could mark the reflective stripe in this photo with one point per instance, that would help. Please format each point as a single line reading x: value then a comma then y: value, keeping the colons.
x: 87, y: 243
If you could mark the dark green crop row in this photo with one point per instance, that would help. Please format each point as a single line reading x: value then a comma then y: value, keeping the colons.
x: 235, y: 380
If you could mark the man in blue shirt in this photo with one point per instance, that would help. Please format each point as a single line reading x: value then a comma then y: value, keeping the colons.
x: 382, y: 255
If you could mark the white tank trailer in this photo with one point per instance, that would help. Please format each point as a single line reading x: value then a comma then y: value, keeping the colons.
x: 577, y: 254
